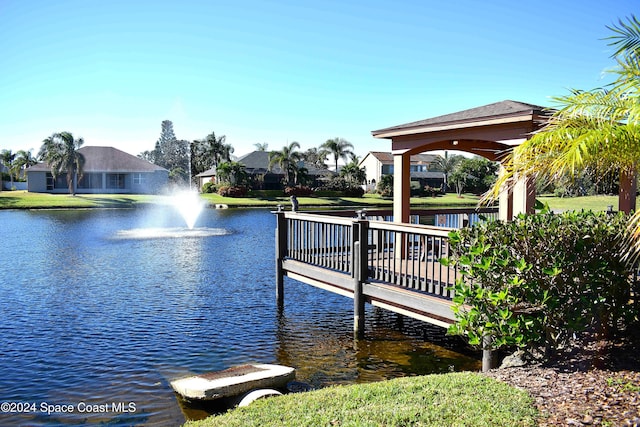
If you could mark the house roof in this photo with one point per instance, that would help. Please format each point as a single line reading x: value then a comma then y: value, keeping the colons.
x: 503, y: 109
x: 387, y: 157
x: 208, y: 172
x: 108, y: 159
x: 258, y: 161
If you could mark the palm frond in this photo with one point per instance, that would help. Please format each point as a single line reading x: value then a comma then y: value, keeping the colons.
x: 626, y: 37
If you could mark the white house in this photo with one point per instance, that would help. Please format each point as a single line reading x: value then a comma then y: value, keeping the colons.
x: 379, y: 163
x: 106, y: 170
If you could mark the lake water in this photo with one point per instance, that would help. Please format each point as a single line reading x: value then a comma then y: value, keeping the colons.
x: 100, y: 309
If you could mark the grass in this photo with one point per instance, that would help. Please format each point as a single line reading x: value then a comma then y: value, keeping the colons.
x: 371, y: 200
x: 593, y: 203
x: 26, y: 200
x: 455, y: 399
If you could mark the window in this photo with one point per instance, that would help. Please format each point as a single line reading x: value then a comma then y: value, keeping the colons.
x: 59, y: 181
x: 91, y: 180
x: 138, y: 178
x: 50, y: 181
x: 115, y: 181
x: 387, y: 169
x: 418, y: 168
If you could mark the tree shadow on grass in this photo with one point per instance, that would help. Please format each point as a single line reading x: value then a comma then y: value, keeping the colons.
x: 109, y: 202
x: 8, y: 202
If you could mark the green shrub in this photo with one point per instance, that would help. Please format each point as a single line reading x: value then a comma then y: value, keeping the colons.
x: 385, y: 186
x: 345, y: 187
x: 209, y: 187
x: 540, y: 278
x: 299, y: 190
x: 232, y: 191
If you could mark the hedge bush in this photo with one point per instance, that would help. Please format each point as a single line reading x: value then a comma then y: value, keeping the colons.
x: 209, y: 187
x: 232, y: 191
x: 344, y: 187
x: 541, y: 278
x: 298, y: 191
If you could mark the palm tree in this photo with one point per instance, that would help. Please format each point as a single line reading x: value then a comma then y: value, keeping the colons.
x: 285, y: 158
x: 233, y: 173
x: 316, y: 157
x: 354, y: 173
x: 7, y: 157
x: 60, y: 151
x: 340, y: 148
x: 23, y: 160
x: 261, y: 146
x: 447, y: 165
x: 598, y: 129
x: 213, y: 150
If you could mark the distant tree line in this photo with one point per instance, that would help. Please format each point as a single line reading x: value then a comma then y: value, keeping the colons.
x: 184, y: 160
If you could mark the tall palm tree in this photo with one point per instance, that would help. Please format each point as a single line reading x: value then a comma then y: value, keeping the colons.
x: 316, y: 157
x: 354, y: 173
x: 23, y: 160
x: 60, y: 151
x: 7, y: 158
x: 233, y: 173
x: 598, y: 128
x: 285, y: 158
x: 213, y: 150
x: 261, y: 146
x: 339, y: 147
x: 447, y: 165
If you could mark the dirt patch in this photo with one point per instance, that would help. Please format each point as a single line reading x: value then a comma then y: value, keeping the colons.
x: 596, y: 383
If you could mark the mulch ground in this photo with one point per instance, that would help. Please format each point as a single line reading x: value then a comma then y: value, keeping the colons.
x: 595, y: 383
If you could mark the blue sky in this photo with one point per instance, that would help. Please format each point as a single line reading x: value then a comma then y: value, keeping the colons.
x: 279, y: 71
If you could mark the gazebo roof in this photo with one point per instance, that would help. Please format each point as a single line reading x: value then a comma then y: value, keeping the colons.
x: 489, y: 130
x: 498, y: 110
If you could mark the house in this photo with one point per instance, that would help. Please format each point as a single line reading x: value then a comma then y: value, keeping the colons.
x: 106, y: 170
x: 379, y: 163
x: 207, y: 176
x: 256, y: 165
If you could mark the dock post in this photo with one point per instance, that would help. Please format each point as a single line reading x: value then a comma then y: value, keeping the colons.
x: 488, y: 355
x: 360, y: 251
x: 281, y: 248
x: 358, y: 298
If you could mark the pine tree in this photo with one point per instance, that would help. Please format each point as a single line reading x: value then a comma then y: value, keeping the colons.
x: 172, y: 154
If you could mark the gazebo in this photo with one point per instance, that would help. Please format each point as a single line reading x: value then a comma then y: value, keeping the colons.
x: 488, y: 131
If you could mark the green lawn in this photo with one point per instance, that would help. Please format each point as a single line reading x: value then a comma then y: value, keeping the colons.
x: 26, y: 200
x: 372, y: 200
x: 594, y: 203
x: 456, y: 399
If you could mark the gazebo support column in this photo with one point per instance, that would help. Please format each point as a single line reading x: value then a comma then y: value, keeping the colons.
x: 524, y: 196
x: 401, y: 187
x: 627, y: 195
x: 505, y: 202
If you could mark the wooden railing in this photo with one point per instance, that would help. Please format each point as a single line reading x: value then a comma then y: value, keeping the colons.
x: 405, y: 255
x: 408, y: 256
x: 360, y: 255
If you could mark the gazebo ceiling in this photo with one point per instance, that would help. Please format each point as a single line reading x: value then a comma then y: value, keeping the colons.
x: 487, y: 131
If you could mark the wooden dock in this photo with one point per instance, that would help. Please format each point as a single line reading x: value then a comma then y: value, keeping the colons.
x: 372, y: 260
